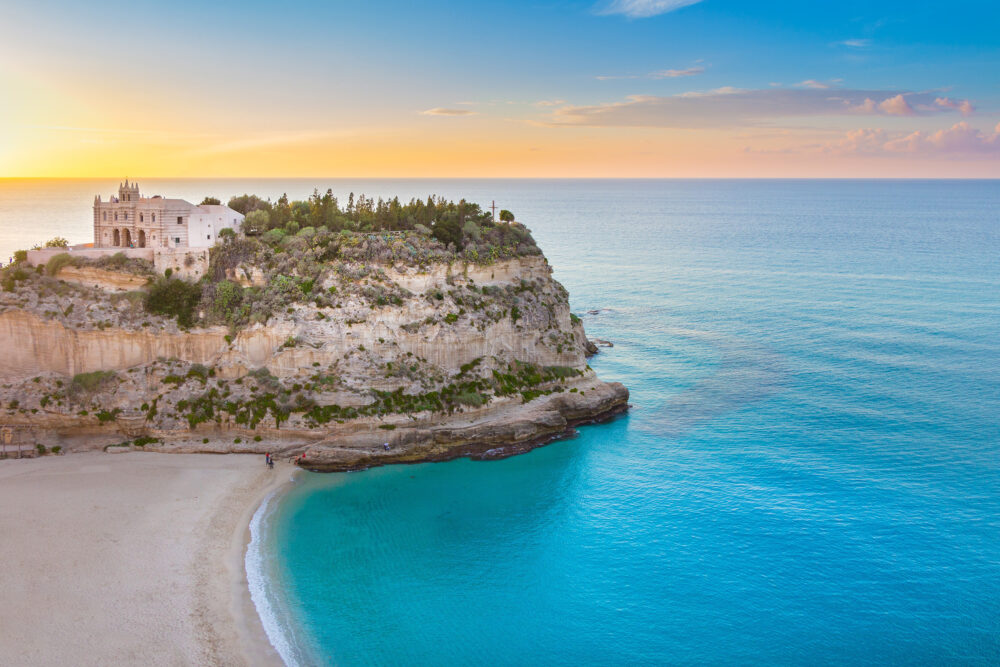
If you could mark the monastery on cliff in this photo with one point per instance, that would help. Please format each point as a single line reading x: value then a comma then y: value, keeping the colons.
x: 133, y: 221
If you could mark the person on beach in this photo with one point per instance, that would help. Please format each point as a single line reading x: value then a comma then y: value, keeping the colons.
x: 267, y: 458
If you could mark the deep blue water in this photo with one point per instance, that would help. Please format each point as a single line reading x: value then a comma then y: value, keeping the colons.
x: 810, y: 473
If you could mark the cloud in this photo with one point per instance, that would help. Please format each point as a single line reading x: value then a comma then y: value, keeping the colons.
x: 959, y: 139
x: 640, y: 9
x: 674, y: 73
x: 661, y: 74
x: 550, y: 103
x: 855, y: 43
x: 813, y: 83
x: 960, y: 105
x: 735, y: 107
x: 438, y: 111
x: 896, y: 106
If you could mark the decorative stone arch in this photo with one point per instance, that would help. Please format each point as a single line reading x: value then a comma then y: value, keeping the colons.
x: 127, y: 238
x: 142, y: 238
x: 118, y: 238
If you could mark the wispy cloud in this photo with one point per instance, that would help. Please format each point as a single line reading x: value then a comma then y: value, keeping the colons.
x: 659, y: 74
x: 735, y: 107
x: 675, y: 73
x: 855, y: 43
x: 440, y: 111
x: 820, y: 85
x: 550, y: 103
x: 640, y: 9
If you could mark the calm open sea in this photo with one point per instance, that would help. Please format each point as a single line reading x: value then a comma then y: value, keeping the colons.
x: 810, y: 473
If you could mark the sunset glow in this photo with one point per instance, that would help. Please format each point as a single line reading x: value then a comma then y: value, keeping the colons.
x: 637, y: 88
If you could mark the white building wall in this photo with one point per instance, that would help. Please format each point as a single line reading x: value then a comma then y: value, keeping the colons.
x: 204, y: 227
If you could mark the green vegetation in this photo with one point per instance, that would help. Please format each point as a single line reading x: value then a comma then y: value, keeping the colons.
x: 57, y: 242
x: 58, y: 262
x: 174, y: 298
x: 506, y: 216
x: 88, y: 383
x: 210, y: 201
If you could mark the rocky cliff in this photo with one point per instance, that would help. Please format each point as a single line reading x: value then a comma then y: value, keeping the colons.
x: 396, y: 362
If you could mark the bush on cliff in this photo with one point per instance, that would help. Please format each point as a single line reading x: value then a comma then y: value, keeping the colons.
x: 88, y: 383
x: 174, y: 298
x: 58, y: 262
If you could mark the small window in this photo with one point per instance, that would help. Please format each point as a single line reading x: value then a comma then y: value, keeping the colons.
x: 154, y: 217
x: 180, y: 220
x: 140, y: 217
x: 209, y: 237
x: 105, y: 216
x: 177, y: 240
x: 116, y: 216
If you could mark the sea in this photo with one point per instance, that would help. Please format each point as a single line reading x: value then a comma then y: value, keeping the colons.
x: 809, y: 473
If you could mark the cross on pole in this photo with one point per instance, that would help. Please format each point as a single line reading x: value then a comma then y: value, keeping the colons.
x: 494, y: 209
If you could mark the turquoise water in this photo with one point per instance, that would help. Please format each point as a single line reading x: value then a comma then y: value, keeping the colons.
x: 810, y: 473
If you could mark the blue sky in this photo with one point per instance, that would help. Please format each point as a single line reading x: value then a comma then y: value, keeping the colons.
x: 673, y: 74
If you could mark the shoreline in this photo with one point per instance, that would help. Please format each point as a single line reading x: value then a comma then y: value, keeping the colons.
x: 131, y: 558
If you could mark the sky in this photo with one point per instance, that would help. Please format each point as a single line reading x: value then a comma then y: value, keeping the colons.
x: 605, y: 88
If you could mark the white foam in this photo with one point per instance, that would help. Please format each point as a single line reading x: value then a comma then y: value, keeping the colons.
x: 261, y: 593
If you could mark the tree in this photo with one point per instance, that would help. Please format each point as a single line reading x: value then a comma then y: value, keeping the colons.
x: 57, y: 242
x: 176, y: 298
x: 228, y: 296
x: 210, y: 201
x: 448, y: 230
x: 227, y: 233
x: 246, y: 203
x: 256, y: 222
x: 506, y: 216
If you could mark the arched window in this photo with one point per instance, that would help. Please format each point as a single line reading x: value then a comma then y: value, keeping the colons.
x: 105, y: 216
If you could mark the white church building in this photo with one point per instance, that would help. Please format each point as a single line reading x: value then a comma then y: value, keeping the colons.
x: 133, y: 221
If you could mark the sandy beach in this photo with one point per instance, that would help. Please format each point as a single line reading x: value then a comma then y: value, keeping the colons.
x: 133, y: 558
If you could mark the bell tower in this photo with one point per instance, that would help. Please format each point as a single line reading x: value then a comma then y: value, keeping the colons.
x: 127, y: 192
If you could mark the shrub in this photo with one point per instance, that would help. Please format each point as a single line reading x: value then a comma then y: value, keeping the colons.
x: 20, y: 256
x: 86, y: 383
x: 451, y: 318
x: 56, y: 263
x: 57, y: 242
x: 472, y: 398
x: 41, y: 449
x: 57, y: 449
x: 174, y: 298
x: 107, y: 416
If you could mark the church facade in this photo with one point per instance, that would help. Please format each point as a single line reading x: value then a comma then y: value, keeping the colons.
x: 133, y: 221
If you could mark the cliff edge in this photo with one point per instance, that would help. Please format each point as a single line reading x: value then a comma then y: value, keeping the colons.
x: 386, y: 349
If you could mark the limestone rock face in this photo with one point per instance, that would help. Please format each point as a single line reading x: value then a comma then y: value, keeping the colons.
x: 462, y: 328
x: 107, y: 280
